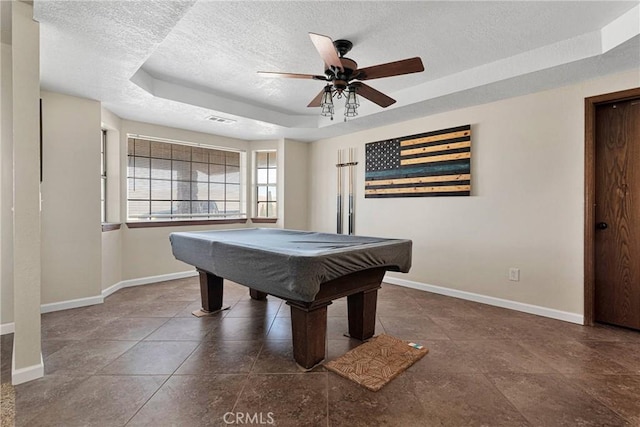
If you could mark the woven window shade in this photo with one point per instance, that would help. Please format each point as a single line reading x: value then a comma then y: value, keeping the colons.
x: 172, y: 181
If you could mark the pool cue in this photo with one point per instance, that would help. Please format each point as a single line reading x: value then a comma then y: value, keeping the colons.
x: 339, y: 197
x: 351, y: 212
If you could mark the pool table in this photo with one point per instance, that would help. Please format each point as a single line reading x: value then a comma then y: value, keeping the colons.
x: 306, y: 269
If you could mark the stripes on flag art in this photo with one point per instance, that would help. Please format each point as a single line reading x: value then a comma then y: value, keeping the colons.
x: 425, y: 165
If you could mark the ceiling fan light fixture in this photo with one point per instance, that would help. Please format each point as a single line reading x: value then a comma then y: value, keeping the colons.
x: 351, y: 105
x: 327, y: 103
x: 327, y: 111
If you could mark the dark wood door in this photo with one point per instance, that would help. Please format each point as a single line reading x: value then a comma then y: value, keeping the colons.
x: 617, y: 235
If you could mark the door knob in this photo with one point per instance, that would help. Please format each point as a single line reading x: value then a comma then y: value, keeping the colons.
x: 602, y: 226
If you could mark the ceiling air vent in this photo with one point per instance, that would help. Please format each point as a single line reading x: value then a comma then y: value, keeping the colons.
x: 220, y: 120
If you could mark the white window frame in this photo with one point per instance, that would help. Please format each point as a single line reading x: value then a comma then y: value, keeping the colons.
x: 257, y: 185
x: 103, y: 176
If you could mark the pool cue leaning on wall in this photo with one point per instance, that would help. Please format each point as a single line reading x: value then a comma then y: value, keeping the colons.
x: 339, y: 196
x: 351, y: 212
x: 352, y: 217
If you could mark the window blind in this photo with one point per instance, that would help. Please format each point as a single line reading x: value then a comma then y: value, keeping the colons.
x: 169, y: 181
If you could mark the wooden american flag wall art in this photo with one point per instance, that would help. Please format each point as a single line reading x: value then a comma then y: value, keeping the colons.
x: 424, y: 165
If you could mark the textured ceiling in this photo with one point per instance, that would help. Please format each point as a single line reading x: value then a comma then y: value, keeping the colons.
x: 175, y: 63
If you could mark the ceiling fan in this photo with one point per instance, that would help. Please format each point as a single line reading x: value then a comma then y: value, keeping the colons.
x: 343, y: 76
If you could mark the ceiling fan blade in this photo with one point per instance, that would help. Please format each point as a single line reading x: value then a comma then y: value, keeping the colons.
x: 292, y: 75
x: 315, y: 102
x: 373, y: 95
x: 326, y: 49
x: 397, y: 68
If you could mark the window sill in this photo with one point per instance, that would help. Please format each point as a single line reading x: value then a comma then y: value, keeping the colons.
x: 149, y: 224
x: 110, y: 226
x: 264, y: 220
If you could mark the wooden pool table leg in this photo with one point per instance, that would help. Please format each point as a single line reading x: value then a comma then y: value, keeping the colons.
x: 309, y: 327
x: 362, y: 314
x: 257, y: 295
x: 211, y: 288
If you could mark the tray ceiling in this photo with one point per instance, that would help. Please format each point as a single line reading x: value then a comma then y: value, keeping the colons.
x: 176, y: 63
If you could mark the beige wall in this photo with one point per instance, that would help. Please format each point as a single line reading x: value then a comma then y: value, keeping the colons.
x: 27, y: 357
x: 295, y: 185
x: 71, y: 232
x: 6, y: 189
x: 526, y: 209
x: 111, y: 259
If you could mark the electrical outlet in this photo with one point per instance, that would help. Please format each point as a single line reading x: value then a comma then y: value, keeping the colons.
x: 514, y: 274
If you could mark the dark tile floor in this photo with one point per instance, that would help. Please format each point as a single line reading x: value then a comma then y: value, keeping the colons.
x: 141, y: 358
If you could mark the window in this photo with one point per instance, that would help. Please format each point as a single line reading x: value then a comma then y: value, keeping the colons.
x: 171, y: 181
x: 266, y: 189
x: 103, y: 177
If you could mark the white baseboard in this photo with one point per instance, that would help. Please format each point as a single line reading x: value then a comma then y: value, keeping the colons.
x: 7, y: 328
x: 498, y: 302
x: 30, y: 373
x: 74, y: 303
x: 146, y: 280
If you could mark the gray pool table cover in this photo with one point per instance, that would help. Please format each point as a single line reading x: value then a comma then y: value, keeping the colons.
x: 287, y: 263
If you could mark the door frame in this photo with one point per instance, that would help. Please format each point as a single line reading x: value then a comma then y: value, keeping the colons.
x: 590, y: 105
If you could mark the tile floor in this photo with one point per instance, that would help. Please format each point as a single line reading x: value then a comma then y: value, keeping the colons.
x: 141, y: 358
